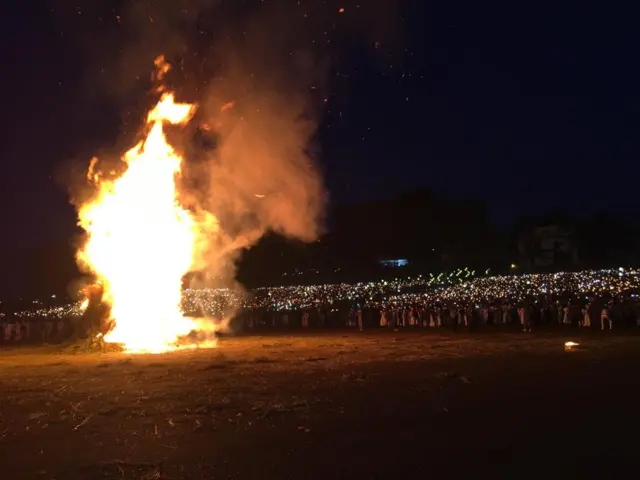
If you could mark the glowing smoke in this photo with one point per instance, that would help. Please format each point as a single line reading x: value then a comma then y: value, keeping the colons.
x: 259, y: 78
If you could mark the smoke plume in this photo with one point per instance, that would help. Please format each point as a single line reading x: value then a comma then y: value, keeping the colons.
x: 258, y: 71
x: 261, y: 174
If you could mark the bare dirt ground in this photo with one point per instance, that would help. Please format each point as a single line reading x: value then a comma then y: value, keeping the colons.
x: 327, y: 405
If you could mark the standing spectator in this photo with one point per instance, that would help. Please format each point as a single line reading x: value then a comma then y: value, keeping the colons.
x: 605, y: 319
x: 586, y: 320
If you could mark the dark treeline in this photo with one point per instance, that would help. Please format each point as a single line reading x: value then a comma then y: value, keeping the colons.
x: 432, y: 232
x: 429, y: 231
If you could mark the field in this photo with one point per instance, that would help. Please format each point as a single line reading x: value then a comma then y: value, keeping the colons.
x: 331, y: 405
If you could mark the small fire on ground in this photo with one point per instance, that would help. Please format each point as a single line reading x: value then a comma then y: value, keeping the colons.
x: 570, y: 345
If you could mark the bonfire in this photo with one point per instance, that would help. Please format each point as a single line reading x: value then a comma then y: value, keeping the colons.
x: 140, y: 241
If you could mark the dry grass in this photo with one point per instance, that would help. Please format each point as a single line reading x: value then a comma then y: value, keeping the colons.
x: 125, y: 416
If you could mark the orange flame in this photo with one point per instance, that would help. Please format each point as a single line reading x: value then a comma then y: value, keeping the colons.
x: 140, y: 241
x: 83, y: 305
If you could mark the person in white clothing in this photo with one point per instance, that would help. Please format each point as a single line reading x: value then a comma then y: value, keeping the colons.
x: 586, y: 320
x: 412, y: 318
x: 485, y: 316
x: 462, y: 317
x: 383, y: 318
x: 505, y: 314
x: 605, y: 319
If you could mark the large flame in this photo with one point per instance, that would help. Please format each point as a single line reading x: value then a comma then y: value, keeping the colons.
x: 141, y: 241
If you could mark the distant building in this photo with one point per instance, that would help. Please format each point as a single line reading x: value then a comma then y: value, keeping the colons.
x: 396, y: 263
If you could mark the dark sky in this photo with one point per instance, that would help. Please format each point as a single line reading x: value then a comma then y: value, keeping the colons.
x: 527, y: 106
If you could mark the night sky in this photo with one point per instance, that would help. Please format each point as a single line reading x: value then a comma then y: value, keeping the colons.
x: 528, y: 108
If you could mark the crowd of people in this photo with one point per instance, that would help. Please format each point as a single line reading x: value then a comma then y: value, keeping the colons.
x: 34, y: 330
x: 603, y: 299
